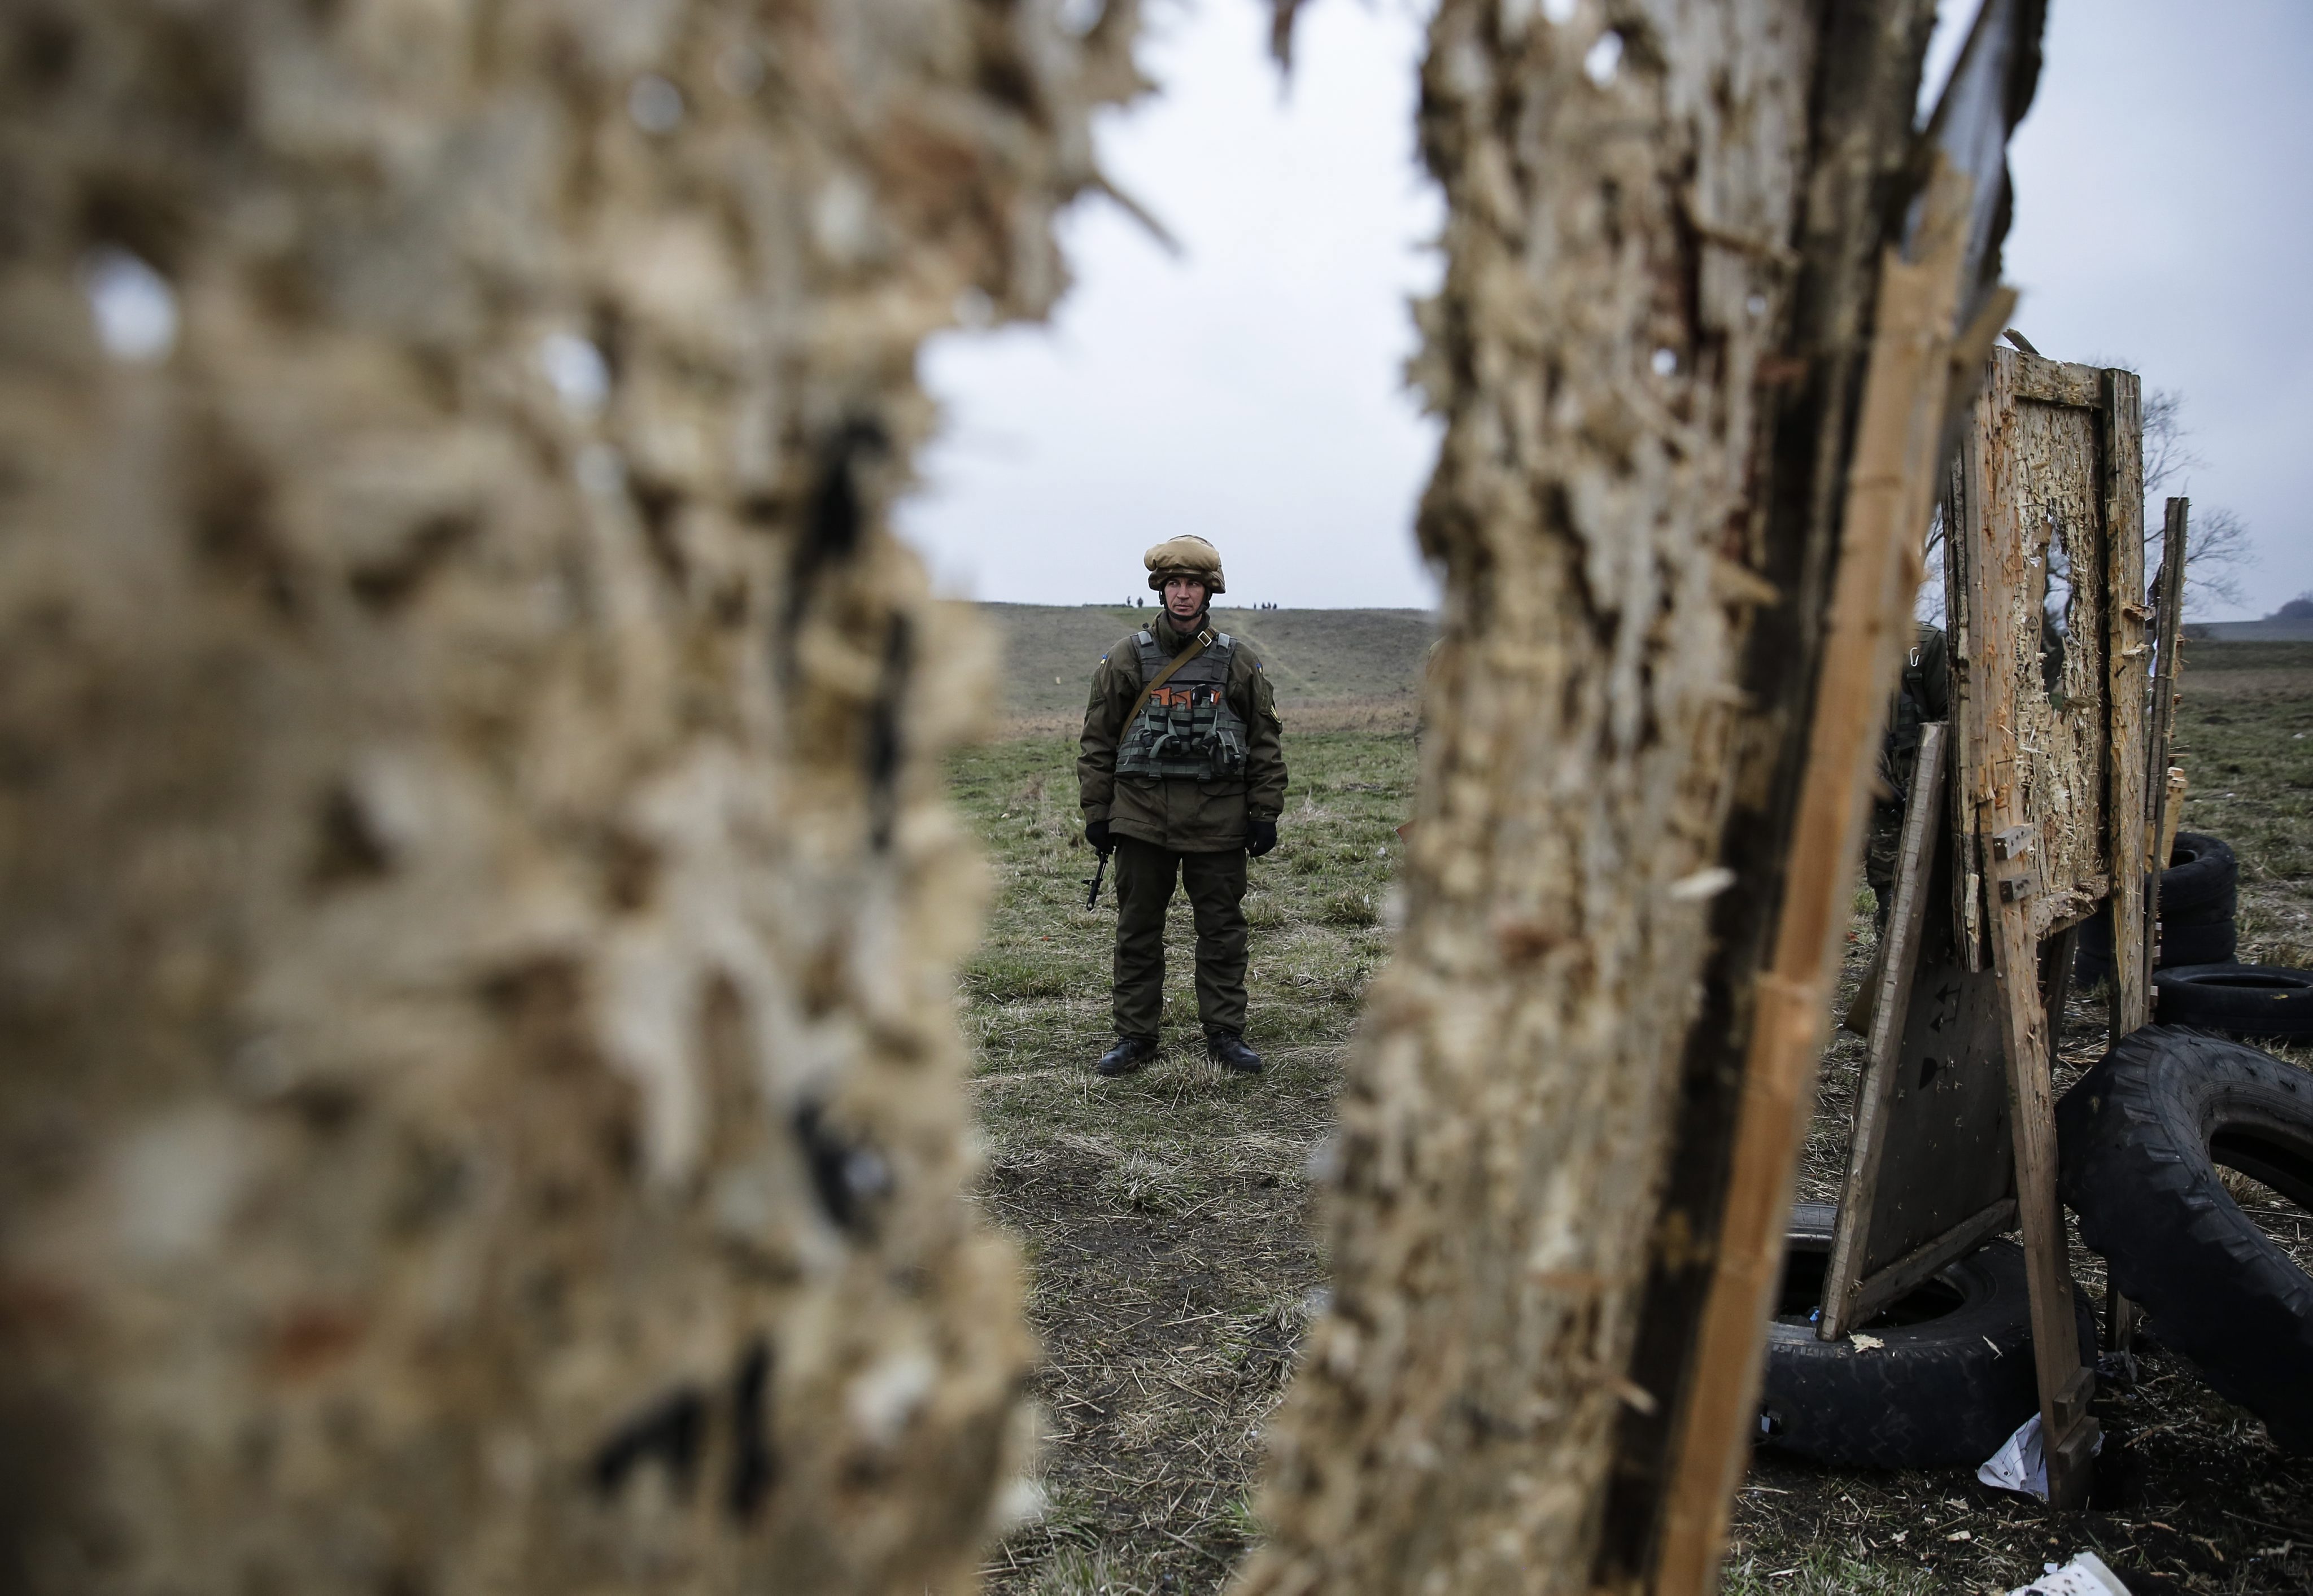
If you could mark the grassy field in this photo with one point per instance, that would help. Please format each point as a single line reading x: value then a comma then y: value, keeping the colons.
x: 1167, y: 1217
x: 2245, y: 742
x: 1328, y: 659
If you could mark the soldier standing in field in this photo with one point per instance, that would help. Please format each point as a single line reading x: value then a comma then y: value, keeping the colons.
x: 1182, y: 773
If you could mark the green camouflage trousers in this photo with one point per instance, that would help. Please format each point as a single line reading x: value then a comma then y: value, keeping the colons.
x: 1145, y: 877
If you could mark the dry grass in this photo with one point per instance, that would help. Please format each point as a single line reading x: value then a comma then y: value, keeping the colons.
x: 1165, y: 1216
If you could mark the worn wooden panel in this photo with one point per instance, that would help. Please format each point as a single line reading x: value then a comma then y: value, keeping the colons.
x: 2033, y: 770
x: 2044, y: 465
x: 1893, y: 970
x: 1947, y: 1145
x: 1932, y: 1036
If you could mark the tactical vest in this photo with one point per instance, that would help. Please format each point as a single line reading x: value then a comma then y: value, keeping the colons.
x: 1186, y: 732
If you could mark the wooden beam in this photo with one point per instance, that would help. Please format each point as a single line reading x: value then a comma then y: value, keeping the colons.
x: 1963, y: 510
x: 2161, y: 726
x: 1890, y: 487
x: 2120, y: 1314
x: 2126, y: 775
x: 1899, y: 961
x: 1876, y: 1290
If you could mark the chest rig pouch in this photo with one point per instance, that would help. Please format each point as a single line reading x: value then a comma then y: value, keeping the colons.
x: 1186, y: 732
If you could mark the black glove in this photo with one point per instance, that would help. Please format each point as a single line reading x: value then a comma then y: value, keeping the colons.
x: 1260, y: 836
x: 1096, y: 834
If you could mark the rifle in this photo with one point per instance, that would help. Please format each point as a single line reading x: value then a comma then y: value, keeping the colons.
x: 1092, y: 898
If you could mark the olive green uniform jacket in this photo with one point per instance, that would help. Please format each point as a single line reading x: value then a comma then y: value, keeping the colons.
x: 1188, y: 817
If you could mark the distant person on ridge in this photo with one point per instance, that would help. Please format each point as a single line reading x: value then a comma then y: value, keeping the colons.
x: 1181, y: 772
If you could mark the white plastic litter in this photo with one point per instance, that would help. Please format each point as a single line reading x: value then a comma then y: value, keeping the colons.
x: 2084, y: 1575
x: 2020, y: 1465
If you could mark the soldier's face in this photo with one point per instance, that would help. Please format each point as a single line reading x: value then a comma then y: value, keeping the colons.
x: 1184, y: 596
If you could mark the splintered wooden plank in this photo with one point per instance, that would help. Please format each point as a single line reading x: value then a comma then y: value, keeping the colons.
x: 1923, y: 828
x: 2126, y: 775
x: 1885, y: 1286
x: 2069, y: 1432
x: 2170, y: 608
x: 1891, y: 486
x: 1963, y: 514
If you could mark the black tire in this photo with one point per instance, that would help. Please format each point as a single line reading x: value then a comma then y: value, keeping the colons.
x: 1952, y: 1379
x: 2200, y: 892
x: 2202, y: 884
x: 2237, y: 999
x: 2213, y: 942
x: 2140, y: 1138
x: 2179, y: 944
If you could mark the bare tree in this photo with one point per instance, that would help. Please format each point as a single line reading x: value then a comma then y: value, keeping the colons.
x: 2217, y: 542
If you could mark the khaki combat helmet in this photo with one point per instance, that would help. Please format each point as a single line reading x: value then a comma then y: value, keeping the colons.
x: 1187, y: 555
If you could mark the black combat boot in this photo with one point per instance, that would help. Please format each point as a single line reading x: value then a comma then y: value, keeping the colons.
x: 1227, y: 1049
x: 1128, y: 1055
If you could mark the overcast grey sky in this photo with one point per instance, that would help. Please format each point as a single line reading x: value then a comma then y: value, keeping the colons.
x: 1249, y: 389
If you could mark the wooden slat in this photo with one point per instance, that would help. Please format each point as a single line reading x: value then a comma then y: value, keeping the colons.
x: 1923, y: 825
x: 2120, y: 1314
x: 1876, y: 1290
x: 2162, y: 723
x: 1891, y: 485
x: 1963, y: 512
x: 2016, y: 958
x: 2125, y: 800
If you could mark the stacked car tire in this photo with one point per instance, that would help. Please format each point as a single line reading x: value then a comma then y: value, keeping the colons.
x: 2195, y: 981
x: 1939, y: 1379
x: 2141, y: 1139
x: 2199, y: 892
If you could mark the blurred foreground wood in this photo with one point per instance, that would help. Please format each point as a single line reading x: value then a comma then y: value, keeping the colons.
x: 481, y: 1104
